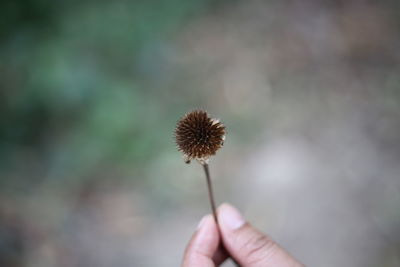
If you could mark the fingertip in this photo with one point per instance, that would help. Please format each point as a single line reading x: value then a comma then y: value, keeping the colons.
x: 203, y: 244
x: 230, y: 217
x: 202, y: 221
x: 205, y: 229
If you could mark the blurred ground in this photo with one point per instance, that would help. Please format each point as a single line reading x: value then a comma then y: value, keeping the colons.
x: 90, y: 92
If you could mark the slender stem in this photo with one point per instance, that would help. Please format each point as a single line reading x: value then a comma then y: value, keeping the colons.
x: 213, y: 207
x: 210, y: 192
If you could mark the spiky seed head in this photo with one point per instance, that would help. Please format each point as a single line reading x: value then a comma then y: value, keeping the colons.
x: 198, y: 136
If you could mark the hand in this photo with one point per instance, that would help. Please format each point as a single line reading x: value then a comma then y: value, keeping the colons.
x: 249, y: 247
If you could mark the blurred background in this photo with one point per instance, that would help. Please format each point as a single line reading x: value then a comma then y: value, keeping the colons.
x: 90, y: 92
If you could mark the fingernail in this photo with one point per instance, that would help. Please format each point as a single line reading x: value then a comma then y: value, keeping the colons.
x: 231, y: 217
x: 201, y: 223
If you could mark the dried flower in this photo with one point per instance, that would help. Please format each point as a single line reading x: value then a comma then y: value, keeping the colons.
x: 198, y: 136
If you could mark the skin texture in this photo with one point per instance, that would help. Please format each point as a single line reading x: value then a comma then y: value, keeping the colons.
x: 244, y: 243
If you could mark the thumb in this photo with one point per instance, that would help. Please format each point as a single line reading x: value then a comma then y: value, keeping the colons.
x: 248, y: 246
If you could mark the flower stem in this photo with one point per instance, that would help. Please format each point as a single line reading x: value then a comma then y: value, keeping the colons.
x: 213, y: 207
x: 210, y: 192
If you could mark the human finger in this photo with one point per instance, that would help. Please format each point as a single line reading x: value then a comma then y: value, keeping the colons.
x: 248, y: 246
x: 204, y: 248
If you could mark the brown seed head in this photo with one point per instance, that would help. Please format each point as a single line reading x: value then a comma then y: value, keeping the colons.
x: 199, y: 136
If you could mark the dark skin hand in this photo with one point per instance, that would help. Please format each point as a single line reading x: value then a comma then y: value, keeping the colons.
x: 244, y: 243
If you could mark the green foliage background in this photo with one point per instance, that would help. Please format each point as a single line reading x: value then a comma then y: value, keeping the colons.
x: 86, y: 82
